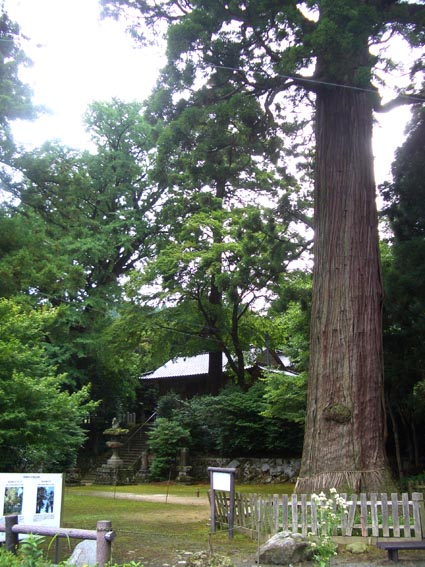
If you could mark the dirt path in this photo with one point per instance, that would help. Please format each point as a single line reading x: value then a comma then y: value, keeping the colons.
x: 164, y: 498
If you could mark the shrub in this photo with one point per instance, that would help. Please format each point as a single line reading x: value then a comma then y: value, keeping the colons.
x: 165, y: 439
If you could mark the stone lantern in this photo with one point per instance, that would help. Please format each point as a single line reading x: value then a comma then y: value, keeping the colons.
x: 115, y: 432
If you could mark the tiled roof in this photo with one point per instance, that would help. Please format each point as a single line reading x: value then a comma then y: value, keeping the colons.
x: 182, y: 366
x: 286, y: 362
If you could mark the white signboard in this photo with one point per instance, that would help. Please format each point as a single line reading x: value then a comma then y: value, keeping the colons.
x: 34, y: 498
x: 221, y: 481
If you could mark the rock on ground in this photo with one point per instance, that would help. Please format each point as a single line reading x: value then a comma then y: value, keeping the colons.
x: 84, y: 554
x: 285, y: 548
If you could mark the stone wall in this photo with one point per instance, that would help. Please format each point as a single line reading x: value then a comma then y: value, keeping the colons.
x: 261, y: 471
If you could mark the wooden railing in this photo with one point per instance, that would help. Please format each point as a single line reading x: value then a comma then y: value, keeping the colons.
x: 103, y: 535
x: 373, y: 515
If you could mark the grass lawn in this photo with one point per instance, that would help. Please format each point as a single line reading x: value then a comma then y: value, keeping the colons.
x: 156, y: 533
x: 188, y: 490
x: 159, y: 533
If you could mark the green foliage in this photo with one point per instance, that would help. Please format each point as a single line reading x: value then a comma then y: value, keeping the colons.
x: 408, y: 481
x: 222, y: 253
x: 286, y: 396
x: 234, y: 422
x: 291, y: 316
x: 40, y: 423
x: 405, y: 195
x: 30, y: 553
x: 404, y: 277
x: 8, y: 559
x: 165, y: 439
x: 15, y: 99
x: 235, y: 255
x: 81, y: 223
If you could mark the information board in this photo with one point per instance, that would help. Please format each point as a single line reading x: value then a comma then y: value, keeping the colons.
x: 35, y: 498
x: 222, y: 479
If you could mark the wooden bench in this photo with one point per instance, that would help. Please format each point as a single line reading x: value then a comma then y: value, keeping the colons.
x: 393, y: 546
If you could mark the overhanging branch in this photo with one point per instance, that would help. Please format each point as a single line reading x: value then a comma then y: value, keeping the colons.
x: 400, y: 100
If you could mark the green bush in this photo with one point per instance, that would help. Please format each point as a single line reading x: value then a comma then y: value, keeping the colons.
x: 7, y: 559
x: 29, y: 554
x: 166, y: 438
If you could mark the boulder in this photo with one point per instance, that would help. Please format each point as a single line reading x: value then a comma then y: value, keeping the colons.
x: 356, y: 547
x: 285, y: 548
x: 84, y: 554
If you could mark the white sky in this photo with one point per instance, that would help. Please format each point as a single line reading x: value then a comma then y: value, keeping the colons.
x: 79, y: 58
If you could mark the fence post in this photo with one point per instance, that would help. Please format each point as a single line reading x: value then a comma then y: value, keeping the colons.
x: 12, y: 539
x: 104, y: 538
x: 418, y: 501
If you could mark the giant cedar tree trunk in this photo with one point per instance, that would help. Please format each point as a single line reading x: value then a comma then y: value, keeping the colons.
x: 345, y: 432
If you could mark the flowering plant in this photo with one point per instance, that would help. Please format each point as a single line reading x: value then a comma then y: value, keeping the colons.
x: 329, y: 512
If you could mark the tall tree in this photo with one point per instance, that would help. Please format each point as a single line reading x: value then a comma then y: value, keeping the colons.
x: 93, y: 218
x: 279, y: 52
x: 246, y: 250
x: 217, y: 159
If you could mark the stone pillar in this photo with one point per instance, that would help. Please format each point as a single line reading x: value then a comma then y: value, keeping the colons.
x: 183, y: 468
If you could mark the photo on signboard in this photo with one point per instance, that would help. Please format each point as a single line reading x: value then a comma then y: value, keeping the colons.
x: 13, y: 496
x: 45, y: 499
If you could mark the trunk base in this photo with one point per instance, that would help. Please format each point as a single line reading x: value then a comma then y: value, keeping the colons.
x: 378, y: 480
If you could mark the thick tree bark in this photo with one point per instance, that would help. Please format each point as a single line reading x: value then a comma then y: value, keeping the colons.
x: 345, y: 422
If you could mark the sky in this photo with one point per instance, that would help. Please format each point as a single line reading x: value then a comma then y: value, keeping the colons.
x: 79, y: 58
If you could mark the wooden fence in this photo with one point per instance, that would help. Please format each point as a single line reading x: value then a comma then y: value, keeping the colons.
x: 373, y: 515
